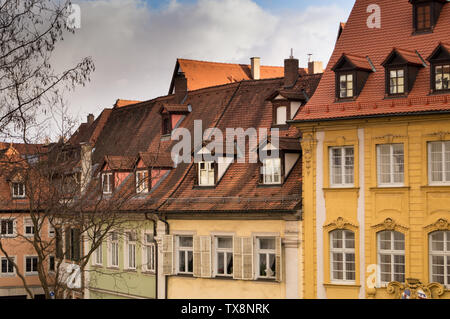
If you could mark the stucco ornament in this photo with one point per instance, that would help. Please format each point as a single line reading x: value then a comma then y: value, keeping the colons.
x: 341, y: 223
x: 440, y: 224
x: 414, y: 289
x: 307, y: 149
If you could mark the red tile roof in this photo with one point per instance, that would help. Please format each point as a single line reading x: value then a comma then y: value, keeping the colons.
x: 357, y: 39
x: 121, y: 103
x: 202, y: 74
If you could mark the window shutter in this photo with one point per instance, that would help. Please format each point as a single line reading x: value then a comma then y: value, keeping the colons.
x: 15, y: 227
x: 197, y: 256
x: 76, y: 244
x: 196, y: 173
x: 168, y: 255
x: 237, y: 258
x: 278, y: 260
x: 206, y: 256
x: 67, y: 243
x: 59, y: 243
x: 247, y: 258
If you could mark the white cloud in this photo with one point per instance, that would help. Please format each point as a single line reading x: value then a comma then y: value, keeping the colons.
x: 135, y: 47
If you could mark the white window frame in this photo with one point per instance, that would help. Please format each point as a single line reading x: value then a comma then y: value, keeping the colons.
x: 278, y: 111
x: 445, y: 254
x: 345, y: 252
x: 14, y: 232
x: 225, y: 251
x: 347, y: 76
x: 444, y: 180
x: 98, y: 256
x: 344, y: 184
x: 267, y: 252
x: 130, y: 249
x: 148, y: 245
x: 397, y: 77
x: 208, y: 168
x: 142, y: 185
x: 30, y: 273
x: 186, y: 260
x: 8, y: 274
x: 18, y: 195
x: 273, y: 173
x: 110, y: 183
x: 392, y: 253
x: 28, y: 222
x: 113, y: 249
x: 391, y: 166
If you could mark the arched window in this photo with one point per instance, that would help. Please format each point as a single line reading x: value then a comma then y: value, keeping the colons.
x: 342, y: 255
x: 440, y: 257
x: 391, y: 256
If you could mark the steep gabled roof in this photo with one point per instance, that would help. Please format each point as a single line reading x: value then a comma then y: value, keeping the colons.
x: 358, y: 39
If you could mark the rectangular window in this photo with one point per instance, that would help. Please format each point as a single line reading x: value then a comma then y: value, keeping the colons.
x: 7, y: 227
x: 272, y: 171
x: 98, y: 256
x: 114, y: 249
x: 442, y: 74
x: 346, y: 85
x: 142, y: 182
x: 75, y: 244
x: 185, y: 255
x: 149, y: 253
x: 423, y: 17
x: 224, y: 256
x: 397, y: 81
x: 266, y: 254
x: 131, y: 250
x: 51, y: 263
x: 342, y: 162
x: 391, y: 256
x: 7, y: 266
x: 440, y: 257
x: 281, y: 115
x: 28, y: 227
x: 31, y: 264
x: 391, y: 165
x: 206, y: 173
x: 107, y: 182
x: 18, y: 190
x: 342, y: 255
x: 439, y: 162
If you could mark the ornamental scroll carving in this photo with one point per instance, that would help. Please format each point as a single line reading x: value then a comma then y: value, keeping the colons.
x: 389, y: 138
x: 308, y: 143
x: 414, y: 289
x: 390, y: 224
x: 341, y: 223
x: 441, y: 224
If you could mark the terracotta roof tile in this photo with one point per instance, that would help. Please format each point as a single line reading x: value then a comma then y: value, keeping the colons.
x: 121, y: 103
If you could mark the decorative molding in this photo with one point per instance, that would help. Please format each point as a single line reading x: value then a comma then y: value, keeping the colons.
x: 340, y: 223
x: 440, y: 224
x: 308, y: 142
x: 389, y: 224
x: 389, y: 138
x: 414, y: 289
x: 441, y: 135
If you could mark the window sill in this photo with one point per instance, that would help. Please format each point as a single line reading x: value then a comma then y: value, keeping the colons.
x: 31, y: 274
x: 113, y: 268
x: 148, y: 272
x: 97, y: 266
x: 440, y: 92
x: 422, y: 32
x: 403, y: 188
x: 345, y: 100
x: 441, y: 186
x: 341, y: 285
x: 269, y: 185
x: 204, y: 187
x: 185, y: 275
x: 337, y: 189
x: 130, y: 270
x: 8, y: 275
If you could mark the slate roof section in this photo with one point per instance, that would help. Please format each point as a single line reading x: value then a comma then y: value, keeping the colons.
x: 358, y: 39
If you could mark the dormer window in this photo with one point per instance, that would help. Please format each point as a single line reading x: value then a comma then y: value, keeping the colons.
x: 440, y: 69
x: 426, y: 14
x: 172, y: 115
x: 107, y: 183
x: 166, y: 125
x: 206, y: 174
x: 281, y: 115
x: 351, y: 75
x: 401, y: 69
x: 272, y: 171
x: 18, y: 190
x: 142, y: 182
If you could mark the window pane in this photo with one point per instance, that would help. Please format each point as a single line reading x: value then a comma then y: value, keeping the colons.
x: 384, y: 163
x: 267, y: 243
x: 190, y: 261
x: 399, y: 241
x: 337, y: 239
x: 186, y: 242
x: 350, y: 266
x: 272, y: 265
x: 437, y: 241
x: 229, y: 263
x: 182, y: 261
x: 349, y: 165
x: 447, y: 161
x: 349, y: 239
x: 225, y: 242
x: 220, y: 263
x: 262, y: 264
x: 281, y: 115
x: 436, y: 152
x: 398, y: 162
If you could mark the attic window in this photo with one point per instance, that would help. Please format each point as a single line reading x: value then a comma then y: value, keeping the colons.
x: 18, y: 190
x: 442, y: 77
x: 166, y: 125
x: 426, y: 14
x: 272, y: 171
x: 107, y: 183
x: 142, y: 182
x: 206, y: 174
x: 352, y: 73
x: 440, y: 69
x: 397, y: 81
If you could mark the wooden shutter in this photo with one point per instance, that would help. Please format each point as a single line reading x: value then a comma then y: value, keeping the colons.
x: 197, y: 256
x: 247, y: 258
x: 168, y: 254
x: 76, y: 244
x: 237, y: 257
x: 67, y: 243
x: 206, y: 266
x: 278, y: 259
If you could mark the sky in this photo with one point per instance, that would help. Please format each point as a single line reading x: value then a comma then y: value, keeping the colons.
x: 135, y: 43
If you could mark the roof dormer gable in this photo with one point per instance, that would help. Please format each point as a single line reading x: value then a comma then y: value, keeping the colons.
x: 426, y: 14
x: 441, y: 53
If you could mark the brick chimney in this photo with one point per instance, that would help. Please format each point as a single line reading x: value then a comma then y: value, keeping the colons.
x: 90, y: 119
x: 290, y: 71
x: 256, y: 68
x: 180, y: 87
x: 315, y: 67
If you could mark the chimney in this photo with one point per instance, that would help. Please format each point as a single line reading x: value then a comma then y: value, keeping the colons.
x: 290, y: 71
x: 180, y: 87
x: 315, y: 67
x: 90, y: 119
x: 256, y: 68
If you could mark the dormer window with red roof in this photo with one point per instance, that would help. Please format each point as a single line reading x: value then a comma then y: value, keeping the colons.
x: 351, y: 75
x: 107, y: 183
x: 401, y: 69
x: 166, y: 125
x: 142, y: 181
x: 172, y: 115
x: 440, y: 69
x: 426, y: 14
x: 18, y: 190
